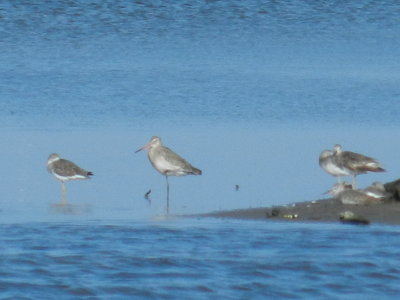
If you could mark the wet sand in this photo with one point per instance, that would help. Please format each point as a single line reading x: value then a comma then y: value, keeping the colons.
x: 385, y: 211
x: 325, y: 210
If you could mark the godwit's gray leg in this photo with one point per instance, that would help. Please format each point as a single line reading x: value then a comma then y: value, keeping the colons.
x: 166, y: 177
x: 63, y: 193
x: 354, y: 181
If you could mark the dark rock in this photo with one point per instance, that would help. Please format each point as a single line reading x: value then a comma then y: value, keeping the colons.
x: 393, y: 188
x: 348, y: 217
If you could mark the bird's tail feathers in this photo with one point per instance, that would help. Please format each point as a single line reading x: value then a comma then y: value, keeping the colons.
x: 196, y: 171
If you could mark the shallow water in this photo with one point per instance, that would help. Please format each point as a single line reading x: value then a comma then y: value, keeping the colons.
x: 248, y: 92
x: 198, y: 259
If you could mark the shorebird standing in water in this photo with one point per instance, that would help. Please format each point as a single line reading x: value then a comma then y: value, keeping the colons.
x: 65, y: 170
x: 167, y: 162
x: 355, y: 163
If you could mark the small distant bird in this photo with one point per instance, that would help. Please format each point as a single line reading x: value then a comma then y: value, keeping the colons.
x: 147, y: 196
x: 345, y: 193
x: 167, y: 162
x: 65, y: 170
x: 237, y: 187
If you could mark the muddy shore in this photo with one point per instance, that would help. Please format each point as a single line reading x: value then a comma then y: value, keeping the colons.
x: 325, y: 210
x: 386, y: 211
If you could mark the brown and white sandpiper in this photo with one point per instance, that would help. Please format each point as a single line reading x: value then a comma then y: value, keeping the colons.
x: 354, y: 163
x: 167, y: 162
x: 65, y: 170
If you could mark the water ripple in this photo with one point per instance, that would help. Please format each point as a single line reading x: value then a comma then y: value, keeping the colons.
x: 165, y: 262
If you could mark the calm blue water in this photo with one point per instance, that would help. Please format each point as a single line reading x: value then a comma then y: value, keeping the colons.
x: 248, y: 91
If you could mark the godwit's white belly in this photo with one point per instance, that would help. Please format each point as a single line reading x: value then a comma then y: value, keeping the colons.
x: 66, y: 178
x: 335, y: 170
x: 166, y: 167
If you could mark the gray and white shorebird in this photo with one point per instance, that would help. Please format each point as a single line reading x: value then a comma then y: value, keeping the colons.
x: 330, y: 165
x: 345, y: 193
x: 377, y: 190
x: 65, y: 170
x: 354, y: 164
x: 346, y: 163
x: 167, y: 162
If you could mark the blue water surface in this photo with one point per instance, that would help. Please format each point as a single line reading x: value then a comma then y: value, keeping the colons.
x: 250, y: 92
x: 198, y: 259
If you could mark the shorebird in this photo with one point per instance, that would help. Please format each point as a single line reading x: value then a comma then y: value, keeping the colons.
x: 354, y: 163
x: 328, y: 163
x: 65, y: 170
x: 345, y: 194
x: 377, y: 190
x: 167, y: 162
